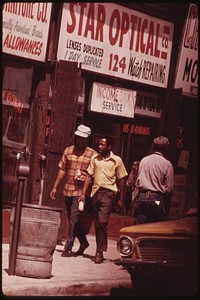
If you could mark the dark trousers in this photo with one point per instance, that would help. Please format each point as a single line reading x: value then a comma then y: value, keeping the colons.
x: 75, y: 229
x: 145, y: 208
x: 102, y: 202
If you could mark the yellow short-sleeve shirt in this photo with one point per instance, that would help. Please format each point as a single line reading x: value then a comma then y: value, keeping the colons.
x: 106, y: 172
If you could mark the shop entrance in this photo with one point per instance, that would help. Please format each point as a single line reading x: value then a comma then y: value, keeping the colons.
x: 16, y: 96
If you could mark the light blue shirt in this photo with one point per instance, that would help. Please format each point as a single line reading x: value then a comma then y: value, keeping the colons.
x: 155, y: 173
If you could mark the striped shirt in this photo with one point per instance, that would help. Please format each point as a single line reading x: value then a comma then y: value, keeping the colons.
x: 75, y: 166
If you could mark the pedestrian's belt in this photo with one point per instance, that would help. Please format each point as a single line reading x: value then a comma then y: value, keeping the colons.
x: 149, y: 192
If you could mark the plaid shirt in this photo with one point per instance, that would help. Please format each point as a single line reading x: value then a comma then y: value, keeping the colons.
x: 70, y: 163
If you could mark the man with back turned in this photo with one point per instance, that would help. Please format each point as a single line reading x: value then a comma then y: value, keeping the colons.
x: 155, y: 183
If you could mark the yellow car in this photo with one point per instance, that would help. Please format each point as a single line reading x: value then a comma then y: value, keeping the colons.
x: 161, y: 256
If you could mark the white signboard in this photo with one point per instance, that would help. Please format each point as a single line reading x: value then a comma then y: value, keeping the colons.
x: 112, y: 100
x: 25, y: 28
x: 114, y: 40
x: 187, y: 67
x: 178, y: 196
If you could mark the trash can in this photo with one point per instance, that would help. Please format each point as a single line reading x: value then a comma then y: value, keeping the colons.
x: 37, y: 240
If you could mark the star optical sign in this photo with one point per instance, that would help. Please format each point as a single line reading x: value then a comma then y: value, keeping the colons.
x: 117, y: 41
x: 25, y: 29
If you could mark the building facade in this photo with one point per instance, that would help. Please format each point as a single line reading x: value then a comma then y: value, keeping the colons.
x: 128, y: 70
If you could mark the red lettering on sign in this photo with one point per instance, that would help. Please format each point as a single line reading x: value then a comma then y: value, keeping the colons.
x: 82, y: 6
x: 142, y: 44
x: 136, y: 129
x: 20, y: 9
x: 124, y: 27
x: 42, y: 12
x: 94, y: 24
x: 150, y: 39
x: 138, y: 35
x: 134, y: 22
x: 12, y: 100
x: 156, y: 50
x: 90, y: 22
x: 115, y: 18
x: 142, y: 33
x: 101, y: 16
x: 22, y: 44
x: 191, y: 31
x: 70, y: 28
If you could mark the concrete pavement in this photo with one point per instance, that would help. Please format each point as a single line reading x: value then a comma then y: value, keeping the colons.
x: 71, y: 276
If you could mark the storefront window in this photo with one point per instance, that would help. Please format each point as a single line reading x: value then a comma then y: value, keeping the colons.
x: 16, y: 100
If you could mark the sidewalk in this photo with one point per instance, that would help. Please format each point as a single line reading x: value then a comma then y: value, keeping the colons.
x: 71, y: 276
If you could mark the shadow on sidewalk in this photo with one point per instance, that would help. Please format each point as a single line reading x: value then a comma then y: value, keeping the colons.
x: 84, y: 255
x: 91, y: 257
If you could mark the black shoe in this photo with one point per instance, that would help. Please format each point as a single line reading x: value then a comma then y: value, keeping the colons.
x: 81, y: 249
x: 59, y: 243
x: 67, y: 253
x: 98, y: 259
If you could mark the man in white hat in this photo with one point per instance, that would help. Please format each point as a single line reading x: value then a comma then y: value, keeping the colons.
x: 73, y: 164
x: 155, y: 183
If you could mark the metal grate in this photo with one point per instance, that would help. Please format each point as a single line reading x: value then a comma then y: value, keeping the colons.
x: 170, y: 250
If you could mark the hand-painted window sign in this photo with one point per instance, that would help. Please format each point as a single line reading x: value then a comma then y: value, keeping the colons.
x: 112, y: 100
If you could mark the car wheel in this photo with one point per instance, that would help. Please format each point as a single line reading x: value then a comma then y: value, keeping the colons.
x: 139, y: 281
x: 144, y: 283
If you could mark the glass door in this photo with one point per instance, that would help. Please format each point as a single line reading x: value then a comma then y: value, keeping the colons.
x: 16, y: 101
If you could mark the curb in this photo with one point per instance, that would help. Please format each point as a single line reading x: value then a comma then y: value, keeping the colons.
x: 100, y: 288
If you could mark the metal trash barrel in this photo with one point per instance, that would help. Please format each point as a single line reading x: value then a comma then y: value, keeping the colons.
x: 37, y: 240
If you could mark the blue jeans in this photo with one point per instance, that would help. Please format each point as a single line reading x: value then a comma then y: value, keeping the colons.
x: 145, y: 208
x: 75, y: 229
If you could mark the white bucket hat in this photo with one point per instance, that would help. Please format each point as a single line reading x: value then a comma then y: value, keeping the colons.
x: 83, y: 131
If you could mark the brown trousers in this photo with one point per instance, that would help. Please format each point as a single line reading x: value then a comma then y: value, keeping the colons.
x: 102, y: 202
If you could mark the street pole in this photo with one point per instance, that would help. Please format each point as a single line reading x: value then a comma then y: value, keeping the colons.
x: 22, y: 173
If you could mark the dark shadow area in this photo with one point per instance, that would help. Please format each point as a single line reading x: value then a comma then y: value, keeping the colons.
x: 6, y: 270
x: 122, y: 292
x: 84, y: 255
x: 153, y: 291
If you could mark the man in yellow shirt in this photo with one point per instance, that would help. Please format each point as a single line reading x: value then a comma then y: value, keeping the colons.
x: 108, y: 173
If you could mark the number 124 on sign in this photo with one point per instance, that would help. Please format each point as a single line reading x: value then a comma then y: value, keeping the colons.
x: 116, y: 63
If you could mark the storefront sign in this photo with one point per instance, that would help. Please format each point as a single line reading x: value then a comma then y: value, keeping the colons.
x: 148, y: 104
x: 25, y: 29
x: 110, y: 39
x: 136, y: 129
x: 112, y: 100
x: 12, y: 100
x: 187, y: 67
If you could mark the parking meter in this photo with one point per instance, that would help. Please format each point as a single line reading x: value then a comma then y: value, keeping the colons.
x: 22, y: 174
x: 23, y: 171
